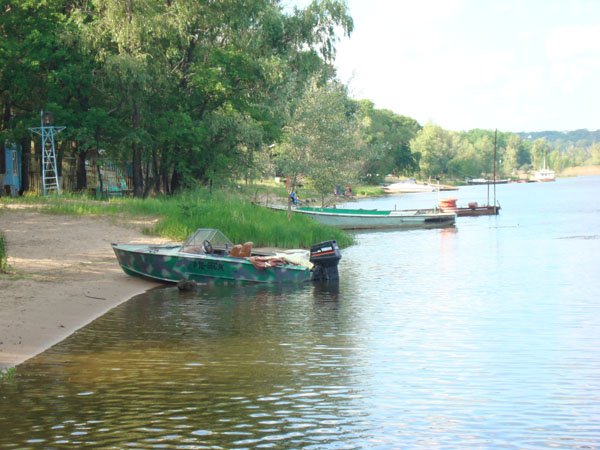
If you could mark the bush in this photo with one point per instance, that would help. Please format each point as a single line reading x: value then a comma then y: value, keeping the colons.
x: 7, y: 375
x: 3, y: 254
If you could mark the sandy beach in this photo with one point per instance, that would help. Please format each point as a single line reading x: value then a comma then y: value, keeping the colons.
x: 63, y: 275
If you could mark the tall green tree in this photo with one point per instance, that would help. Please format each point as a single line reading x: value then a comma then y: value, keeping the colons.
x: 594, y: 154
x: 387, y: 136
x: 467, y: 162
x: 539, y: 153
x: 30, y: 50
x: 185, y: 90
x: 322, y: 141
x: 434, y: 147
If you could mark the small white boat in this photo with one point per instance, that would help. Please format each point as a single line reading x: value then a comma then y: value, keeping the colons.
x: 365, y: 219
x: 486, y: 181
x: 544, y: 175
x: 407, y: 187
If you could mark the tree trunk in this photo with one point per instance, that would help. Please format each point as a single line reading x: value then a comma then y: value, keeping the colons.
x: 175, y: 181
x: 147, y: 183
x: 81, y: 179
x: 2, y: 161
x: 138, y: 180
x: 136, y: 152
x: 156, y: 171
x: 59, y: 159
x: 25, y: 163
x: 164, y: 177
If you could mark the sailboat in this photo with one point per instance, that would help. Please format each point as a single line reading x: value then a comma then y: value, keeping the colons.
x: 544, y: 174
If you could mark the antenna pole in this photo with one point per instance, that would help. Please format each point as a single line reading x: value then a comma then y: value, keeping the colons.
x: 495, y: 149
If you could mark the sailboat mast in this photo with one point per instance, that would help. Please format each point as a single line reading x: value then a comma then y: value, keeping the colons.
x: 495, y: 149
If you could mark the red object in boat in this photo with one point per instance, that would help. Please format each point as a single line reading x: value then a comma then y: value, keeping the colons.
x: 448, y: 204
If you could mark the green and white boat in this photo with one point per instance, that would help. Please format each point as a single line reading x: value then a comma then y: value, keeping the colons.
x: 364, y: 219
x: 208, y: 255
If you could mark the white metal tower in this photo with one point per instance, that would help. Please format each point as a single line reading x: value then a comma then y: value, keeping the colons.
x: 49, y: 168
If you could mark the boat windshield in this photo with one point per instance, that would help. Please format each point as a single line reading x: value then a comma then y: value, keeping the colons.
x: 216, y: 239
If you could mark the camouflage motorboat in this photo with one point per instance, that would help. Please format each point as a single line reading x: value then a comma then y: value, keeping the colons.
x: 208, y: 255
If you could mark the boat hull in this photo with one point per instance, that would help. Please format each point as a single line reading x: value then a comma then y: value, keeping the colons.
x: 474, y: 209
x: 478, y: 211
x: 167, y: 264
x: 373, y: 219
x: 479, y: 182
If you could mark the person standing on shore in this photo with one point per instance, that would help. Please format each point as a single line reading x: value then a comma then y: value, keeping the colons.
x: 294, y: 198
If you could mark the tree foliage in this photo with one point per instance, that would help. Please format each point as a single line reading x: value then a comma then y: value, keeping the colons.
x: 322, y: 140
x: 434, y: 147
x: 387, y: 139
x: 185, y: 91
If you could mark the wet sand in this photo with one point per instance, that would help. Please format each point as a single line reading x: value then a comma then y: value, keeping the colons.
x: 63, y: 274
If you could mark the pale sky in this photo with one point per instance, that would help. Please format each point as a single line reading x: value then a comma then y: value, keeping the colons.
x: 514, y: 65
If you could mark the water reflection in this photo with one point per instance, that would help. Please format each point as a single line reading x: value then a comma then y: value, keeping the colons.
x: 224, y: 366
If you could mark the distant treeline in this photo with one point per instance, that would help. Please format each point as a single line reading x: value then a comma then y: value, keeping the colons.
x: 564, y: 139
x: 470, y: 154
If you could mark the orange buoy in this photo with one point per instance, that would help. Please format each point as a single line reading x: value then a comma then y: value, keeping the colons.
x: 448, y: 204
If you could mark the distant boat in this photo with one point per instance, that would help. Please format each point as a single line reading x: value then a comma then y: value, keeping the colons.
x: 364, y: 219
x: 486, y: 181
x: 544, y: 175
x: 406, y: 187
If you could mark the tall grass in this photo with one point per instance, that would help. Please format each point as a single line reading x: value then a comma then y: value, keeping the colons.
x: 243, y: 221
x: 368, y: 191
x: 178, y: 216
x: 3, y: 254
x: 7, y: 375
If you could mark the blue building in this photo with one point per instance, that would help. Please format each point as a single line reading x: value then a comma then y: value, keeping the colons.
x: 10, y: 178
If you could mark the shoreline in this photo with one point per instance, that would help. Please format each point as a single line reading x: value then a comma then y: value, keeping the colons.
x: 63, y: 275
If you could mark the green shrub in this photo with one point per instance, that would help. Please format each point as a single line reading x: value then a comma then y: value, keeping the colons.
x: 3, y: 254
x: 7, y: 375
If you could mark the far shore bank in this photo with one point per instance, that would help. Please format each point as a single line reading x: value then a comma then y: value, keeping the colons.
x: 580, y: 171
x: 63, y: 275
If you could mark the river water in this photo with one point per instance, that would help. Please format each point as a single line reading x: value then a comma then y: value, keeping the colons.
x: 482, y: 336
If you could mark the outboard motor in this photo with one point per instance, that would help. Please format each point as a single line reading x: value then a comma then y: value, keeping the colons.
x: 326, y: 257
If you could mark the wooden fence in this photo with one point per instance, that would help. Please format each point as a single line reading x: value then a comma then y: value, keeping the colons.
x: 113, y: 179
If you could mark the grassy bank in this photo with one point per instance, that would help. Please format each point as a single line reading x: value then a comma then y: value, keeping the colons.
x: 230, y: 212
x: 581, y: 171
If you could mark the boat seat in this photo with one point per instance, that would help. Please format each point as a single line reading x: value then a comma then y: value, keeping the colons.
x: 235, y: 251
x: 246, y: 250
